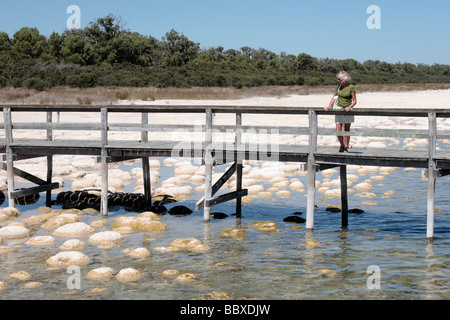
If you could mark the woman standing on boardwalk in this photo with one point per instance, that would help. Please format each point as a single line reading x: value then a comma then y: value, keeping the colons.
x: 346, y: 100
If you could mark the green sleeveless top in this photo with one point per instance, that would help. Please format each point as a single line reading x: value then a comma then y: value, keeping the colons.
x: 345, y: 96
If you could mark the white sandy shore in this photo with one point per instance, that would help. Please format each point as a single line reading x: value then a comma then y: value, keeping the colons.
x: 413, y: 99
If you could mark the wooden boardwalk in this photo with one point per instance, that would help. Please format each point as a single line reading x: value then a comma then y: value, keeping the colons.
x: 215, y: 151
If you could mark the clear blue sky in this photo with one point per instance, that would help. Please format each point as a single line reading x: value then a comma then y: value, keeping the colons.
x: 411, y: 31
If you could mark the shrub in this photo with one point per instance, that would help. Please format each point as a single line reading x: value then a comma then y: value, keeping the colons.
x: 35, y: 83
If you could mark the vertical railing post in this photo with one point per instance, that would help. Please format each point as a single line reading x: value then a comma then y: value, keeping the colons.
x: 209, y: 162
x: 432, y: 136
x: 313, y: 127
x: 104, y: 162
x: 9, y: 155
x: 48, y: 195
x: 146, y: 164
x: 238, y: 142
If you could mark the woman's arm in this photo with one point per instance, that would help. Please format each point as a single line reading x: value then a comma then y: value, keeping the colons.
x: 331, y: 102
x: 355, y: 101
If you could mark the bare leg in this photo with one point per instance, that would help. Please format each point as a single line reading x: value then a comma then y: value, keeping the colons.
x: 340, y: 138
x: 347, y: 138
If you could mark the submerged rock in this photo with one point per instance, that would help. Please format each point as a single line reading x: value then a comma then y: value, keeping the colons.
x: 185, y: 243
x: 180, y: 211
x: 333, y: 208
x: 233, y: 232
x: 187, y: 277
x: 20, y: 275
x: 312, y: 242
x: 356, y: 210
x: 171, y: 273
x: 294, y: 219
x: 266, y: 226
x: 219, y: 215
x: 33, y: 285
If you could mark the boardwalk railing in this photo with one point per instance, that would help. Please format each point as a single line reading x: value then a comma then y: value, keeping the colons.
x: 212, y: 135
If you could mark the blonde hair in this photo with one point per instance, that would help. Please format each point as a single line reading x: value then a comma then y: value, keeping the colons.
x: 345, y: 76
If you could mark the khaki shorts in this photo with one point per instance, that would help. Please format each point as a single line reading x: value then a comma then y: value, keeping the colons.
x: 344, y: 118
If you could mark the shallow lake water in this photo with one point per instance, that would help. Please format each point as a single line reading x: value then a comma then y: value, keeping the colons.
x: 389, y: 237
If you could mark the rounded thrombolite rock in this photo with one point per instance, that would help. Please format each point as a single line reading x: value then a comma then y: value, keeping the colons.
x: 14, y: 232
x: 171, y: 273
x: 312, y: 242
x: 38, y: 219
x: 3, y: 286
x: 217, y: 296
x: 20, y: 275
x: 103, y: 273
x: 123, y: 222
x: 151, y: 215
x: 138, y: 253
x: 32, y: 285
x: 3, y: 217
x: 148, y: 225
x: 68, y: 258
x: 124, y: 230
x: 10, y: 212
x: 128, y: 275
x: 73, y: 245
x: 40, y: 240
x: 233, y: 232
x: 144, y: 222
x: 106, y: 236
x: 266, y: 226
x: 77, y: 229
x: 191, y: 244
x: 187, y: 277
x: 60, y: 220
x: 4, y: 249
x: 294, y: 219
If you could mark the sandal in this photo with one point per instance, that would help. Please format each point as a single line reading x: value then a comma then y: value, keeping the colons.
x: 342, y: 149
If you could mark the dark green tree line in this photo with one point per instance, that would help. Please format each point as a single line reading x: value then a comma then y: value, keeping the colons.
x: 106, y: 54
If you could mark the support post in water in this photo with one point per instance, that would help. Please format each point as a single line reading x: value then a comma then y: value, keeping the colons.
x: 104, y: 160
x: 312, y: 167
x: 9, y: 155
x: 146, y: 170
x: 209, y: 162
x: 238, y: 141
x: 48, y: 195
x: 432, y: 170
x: 344, y: 197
